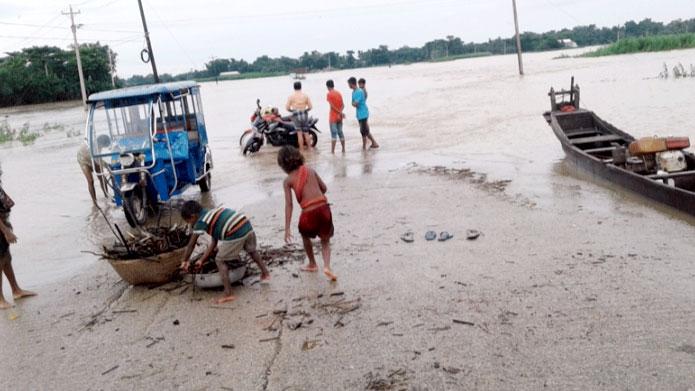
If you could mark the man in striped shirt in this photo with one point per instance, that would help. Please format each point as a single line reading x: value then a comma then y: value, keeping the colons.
x: 231, y: 232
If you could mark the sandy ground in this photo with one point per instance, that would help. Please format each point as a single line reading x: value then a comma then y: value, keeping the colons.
x: 547, y: 296
x: 572, y: 285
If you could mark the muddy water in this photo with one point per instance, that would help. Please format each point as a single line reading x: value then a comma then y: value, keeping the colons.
x: 475, y: 113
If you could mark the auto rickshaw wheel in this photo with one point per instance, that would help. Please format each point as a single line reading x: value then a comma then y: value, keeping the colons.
x: 135, y: 207
x: 205, y: 182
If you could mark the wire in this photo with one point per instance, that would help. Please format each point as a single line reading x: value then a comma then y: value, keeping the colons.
x: 185, y: 52
x: 32, y: 25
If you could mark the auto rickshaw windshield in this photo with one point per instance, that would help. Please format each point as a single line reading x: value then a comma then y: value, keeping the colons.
x: 115, y: 130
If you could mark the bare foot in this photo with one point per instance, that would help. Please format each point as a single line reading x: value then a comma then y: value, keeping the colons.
x: 310, y: 269
x: 265, y: 279
x: 330, y: 275
x: 374, y: 146
x: 4, y: 305
x: 224, y: 299
x: 22, y: 294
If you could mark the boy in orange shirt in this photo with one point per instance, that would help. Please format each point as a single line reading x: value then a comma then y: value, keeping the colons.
x: 335, y: 115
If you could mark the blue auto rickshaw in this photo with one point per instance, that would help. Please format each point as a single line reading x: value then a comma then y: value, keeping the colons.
x: 151, y: 143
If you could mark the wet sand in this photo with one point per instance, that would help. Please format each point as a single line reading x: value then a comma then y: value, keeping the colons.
x: 554, y: 300
x: 572, y: 285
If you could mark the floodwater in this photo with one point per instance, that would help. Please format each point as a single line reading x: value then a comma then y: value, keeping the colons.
x: 474, y: 113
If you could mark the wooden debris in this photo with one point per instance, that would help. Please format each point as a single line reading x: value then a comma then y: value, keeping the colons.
x: 464, y: 322
x: 110, y: 370
x: 269, y: 339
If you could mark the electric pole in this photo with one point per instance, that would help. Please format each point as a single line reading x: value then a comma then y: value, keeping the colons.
x: 77, y: 54
x: 150, y: 55
x: 518, y: 39
x: 113, y: 71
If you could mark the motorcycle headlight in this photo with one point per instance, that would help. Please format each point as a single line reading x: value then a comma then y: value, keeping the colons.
x: 127, y: 160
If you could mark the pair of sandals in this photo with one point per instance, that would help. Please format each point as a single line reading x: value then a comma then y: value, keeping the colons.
x: 409, y: 237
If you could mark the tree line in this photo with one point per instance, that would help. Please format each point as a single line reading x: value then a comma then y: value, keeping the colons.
x: 438, y: 49
x: 49, y: 74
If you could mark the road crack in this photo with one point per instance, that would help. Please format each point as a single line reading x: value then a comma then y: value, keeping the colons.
x: 276, y: 353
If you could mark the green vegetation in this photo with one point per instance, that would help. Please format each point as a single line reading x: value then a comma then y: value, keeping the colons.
x: 49, y: 74
x: 655, y: 43
x: 26, y: 136
x: 23, y: 135
x: 243, y: 76
x: 447, y: 49
x: 462, y: 56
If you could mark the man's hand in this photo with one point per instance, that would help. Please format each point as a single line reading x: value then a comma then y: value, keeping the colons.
x: 288, y: 236
x: 198, y: 265
x: 10, y: 237
x: 185, y: 266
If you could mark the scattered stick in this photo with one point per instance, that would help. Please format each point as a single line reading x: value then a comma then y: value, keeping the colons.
x: 464, y: 322
x: 227, y: 346
x: 123, y: 311
x: 110, y: 370
x: 269, y: 339
x: 337, y: 294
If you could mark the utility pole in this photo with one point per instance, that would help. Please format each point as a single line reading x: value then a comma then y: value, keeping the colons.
x: 113, y: 71
x: 150, y: 54
x: 77, y: 54
x: 518, y: 39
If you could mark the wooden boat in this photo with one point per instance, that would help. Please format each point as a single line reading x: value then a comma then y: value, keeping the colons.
x: 604, y: 151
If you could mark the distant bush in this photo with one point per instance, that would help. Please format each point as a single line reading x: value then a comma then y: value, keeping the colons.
x: 656, y: 43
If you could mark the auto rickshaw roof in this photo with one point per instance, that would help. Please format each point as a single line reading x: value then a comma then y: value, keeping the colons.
x: 140, y: 91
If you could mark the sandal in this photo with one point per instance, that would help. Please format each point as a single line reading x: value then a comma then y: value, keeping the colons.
x: 408, y: 237
x: 444, y: 236
x: 472, y: 234
x: 430, y: 236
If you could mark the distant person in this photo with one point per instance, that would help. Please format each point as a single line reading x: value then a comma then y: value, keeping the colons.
x: 7, y: 237
x: 299, y: 105
x: 363, y: 86
x: 232, y: 230
x: 335, y: 115
x: 360, y: 104
x: 316, y: 218
x: 84, y: 159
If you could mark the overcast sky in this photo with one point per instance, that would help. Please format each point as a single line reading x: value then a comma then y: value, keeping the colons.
x: 186, y: 34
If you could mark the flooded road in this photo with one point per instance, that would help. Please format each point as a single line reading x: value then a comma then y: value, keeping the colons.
x: 474, y: 113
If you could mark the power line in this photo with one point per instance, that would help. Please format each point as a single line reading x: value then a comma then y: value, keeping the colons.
x: 156, y: 13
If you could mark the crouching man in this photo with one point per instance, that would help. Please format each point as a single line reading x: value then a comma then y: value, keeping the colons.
x: 231, y: 233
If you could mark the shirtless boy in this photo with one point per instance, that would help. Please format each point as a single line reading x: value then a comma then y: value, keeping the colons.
x: 316, y: 219
x: 299, y: 105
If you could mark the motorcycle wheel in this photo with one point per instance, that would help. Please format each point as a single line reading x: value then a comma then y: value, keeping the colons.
x: 135, y: 207
x: 246, y: 133
x: 252, y: 146
x: 314, y: 137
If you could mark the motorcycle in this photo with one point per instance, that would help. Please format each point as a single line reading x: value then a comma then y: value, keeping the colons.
x: 269, y: 126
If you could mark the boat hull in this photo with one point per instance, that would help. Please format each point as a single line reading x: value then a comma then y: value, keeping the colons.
x: 675, y: 197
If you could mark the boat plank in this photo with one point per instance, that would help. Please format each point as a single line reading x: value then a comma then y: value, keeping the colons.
x: 582, y: 132
x: 596, y: 139
x: 600, y: 150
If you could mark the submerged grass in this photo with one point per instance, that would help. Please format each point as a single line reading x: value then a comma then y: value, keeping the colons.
x: 462, y: 56
x: 656, y: 43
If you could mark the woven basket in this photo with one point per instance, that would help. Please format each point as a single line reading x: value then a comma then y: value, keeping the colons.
x: 159, y: 269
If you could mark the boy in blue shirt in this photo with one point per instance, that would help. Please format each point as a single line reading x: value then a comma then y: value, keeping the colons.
x: 359, y: 102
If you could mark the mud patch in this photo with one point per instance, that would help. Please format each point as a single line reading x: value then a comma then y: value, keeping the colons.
x: 480, y: 180
x: 393, y: 380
